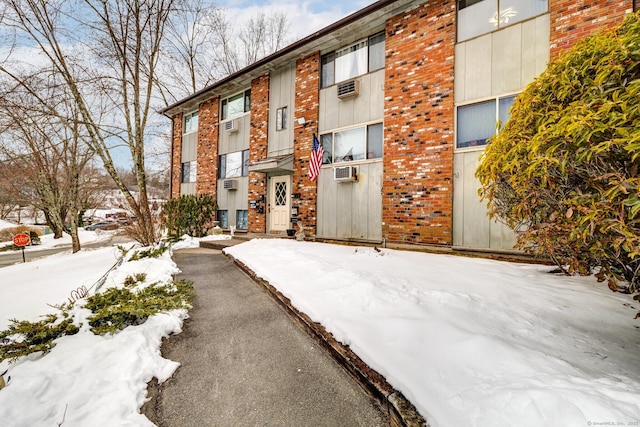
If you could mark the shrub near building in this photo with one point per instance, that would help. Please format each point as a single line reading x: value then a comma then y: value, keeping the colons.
x: 189, y: 214
x: 564, y: 171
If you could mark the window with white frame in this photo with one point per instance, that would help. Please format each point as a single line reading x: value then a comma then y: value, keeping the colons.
x: 232, y: 165
x: 188, y: 172
x: 477, y: 17
x: 478, y: 122
x: 236, y: 105
x: 362, y: 57
x: 352, y: 144
x: 190, y: 122
x: 281, y: 118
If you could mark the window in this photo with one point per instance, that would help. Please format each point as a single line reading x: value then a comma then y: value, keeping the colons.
x: 236, y: 105
x: 191, y: 122
x: 352, y: 144
x: 360, y: 58
x: 223, y: 218
x: 232, y: 165
x: 188, y: 172
x: 281, y: 118
x: 477, y: 17
x: 477, y: 122
x: 242, y: 219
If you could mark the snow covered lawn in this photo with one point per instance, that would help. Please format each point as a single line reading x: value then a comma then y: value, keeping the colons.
x: 471, y: 342
x: 86, y: 379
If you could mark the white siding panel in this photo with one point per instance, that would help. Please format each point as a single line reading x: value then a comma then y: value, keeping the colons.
x: 506, y: 60
x: 460, y: 72
x: 477, y: 78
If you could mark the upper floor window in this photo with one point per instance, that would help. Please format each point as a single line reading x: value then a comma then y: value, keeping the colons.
x: 236, y: 105
x: 232, y: 165
x: 477, y: 122
x: 362, y: 57
x: 477, y: 17
x: 281, y: 118
x: 188, y: 172
x: 191, y: 122
x: 352, y: 144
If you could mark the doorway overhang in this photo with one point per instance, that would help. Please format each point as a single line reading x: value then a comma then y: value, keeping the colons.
x: 273, y: 164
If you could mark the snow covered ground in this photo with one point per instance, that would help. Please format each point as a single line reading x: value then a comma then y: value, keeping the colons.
x: 47, y: 241
x: 470, y: 342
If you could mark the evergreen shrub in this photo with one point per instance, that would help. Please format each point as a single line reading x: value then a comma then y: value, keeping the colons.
x: 565, y: 170
x: 189, y: 214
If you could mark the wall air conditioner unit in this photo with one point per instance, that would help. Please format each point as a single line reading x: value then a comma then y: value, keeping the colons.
x: 230, y: 184
x: 231, y: 126
x: 345, y: 174
x: 348, y: 89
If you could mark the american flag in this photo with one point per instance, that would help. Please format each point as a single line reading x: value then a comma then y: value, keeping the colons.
x: 316, y: 159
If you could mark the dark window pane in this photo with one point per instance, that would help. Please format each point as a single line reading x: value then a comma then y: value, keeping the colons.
x: 374, y: 141
x: 503, y: 108
x: 328, y: 72
x: 476, y: 123
x: 247, y: 101
x: 222, y: 166
x: 223, y: 218
x: 327, y: 146
x: 376, y: 52
x: 245, y: 163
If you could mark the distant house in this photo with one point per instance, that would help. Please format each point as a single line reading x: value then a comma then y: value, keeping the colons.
x: 402, y: 95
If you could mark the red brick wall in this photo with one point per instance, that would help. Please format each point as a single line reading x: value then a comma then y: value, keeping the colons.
x: 418, y: 124
x: 207, y: 152
x: 176, y: 155
x: 258, y: 149
x: 572, y: 20
x: 307, y: 101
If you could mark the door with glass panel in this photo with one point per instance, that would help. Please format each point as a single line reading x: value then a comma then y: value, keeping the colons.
x: 279, y: 202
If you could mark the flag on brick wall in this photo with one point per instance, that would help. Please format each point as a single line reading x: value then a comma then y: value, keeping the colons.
x: 317, y: 152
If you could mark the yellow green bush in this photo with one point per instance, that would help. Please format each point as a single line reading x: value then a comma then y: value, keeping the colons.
x: 564, y: 171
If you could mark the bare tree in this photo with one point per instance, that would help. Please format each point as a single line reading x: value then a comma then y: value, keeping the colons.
x: 49, y: 153
x: 204, y: 45
x: 190, y: 59
x: 263, y: 34
x: 107, y: 61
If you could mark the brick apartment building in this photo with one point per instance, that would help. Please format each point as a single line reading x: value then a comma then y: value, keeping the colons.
x: 402, y: 95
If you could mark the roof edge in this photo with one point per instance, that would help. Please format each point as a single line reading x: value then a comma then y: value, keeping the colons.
x: 295, y: 45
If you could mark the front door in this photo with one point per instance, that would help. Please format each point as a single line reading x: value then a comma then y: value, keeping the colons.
x: 279, y: 202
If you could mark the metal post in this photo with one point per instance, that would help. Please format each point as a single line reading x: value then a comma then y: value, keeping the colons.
x: 22, y: 247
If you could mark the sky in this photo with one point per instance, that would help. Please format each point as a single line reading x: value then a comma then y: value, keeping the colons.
x: 306, y: 17
x: 470, y: 342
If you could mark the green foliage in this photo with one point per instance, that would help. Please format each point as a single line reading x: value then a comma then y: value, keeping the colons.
x: 189, y: 214
x: 113, y: 310
x: 117, y: 308
x: 23, y: 337
x: 152, y: 252
x: 565, y: 169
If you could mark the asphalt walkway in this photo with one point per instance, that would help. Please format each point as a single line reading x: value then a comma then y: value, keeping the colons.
x: 245, y: 363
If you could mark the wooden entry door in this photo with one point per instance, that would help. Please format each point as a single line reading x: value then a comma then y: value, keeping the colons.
x: 279, y: 202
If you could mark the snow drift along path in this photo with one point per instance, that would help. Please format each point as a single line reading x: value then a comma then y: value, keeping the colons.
x: 471, y: 342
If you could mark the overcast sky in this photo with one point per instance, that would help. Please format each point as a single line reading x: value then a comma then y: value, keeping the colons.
x: 306, y: 17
